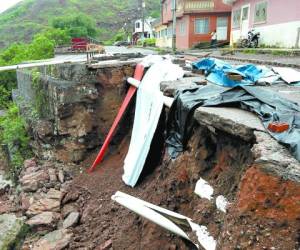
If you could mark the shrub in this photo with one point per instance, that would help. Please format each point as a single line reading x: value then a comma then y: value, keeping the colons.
x: 14, y: 135
x: 4, y: 97
x: 150, y: 42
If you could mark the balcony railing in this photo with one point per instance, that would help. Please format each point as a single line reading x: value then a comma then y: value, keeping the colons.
x: 194, y: 6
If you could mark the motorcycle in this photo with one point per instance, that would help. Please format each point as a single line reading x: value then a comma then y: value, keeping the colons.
x: 252, y: 40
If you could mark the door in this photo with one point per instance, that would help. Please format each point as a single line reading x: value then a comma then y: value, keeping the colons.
x: 245, y: 20
x: 222, y: 28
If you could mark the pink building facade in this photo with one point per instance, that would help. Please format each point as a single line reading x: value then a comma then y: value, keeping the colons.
x: 195, y: 21
x: 278, y: 21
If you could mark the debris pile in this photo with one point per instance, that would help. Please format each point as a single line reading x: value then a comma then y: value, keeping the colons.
x: 202, y: 166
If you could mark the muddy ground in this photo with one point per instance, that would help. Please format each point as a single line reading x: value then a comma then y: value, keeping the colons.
x: 221, y: 161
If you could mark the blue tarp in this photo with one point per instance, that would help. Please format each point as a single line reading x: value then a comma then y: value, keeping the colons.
x: 217, y: 70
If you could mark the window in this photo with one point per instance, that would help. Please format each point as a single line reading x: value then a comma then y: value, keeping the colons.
x: 245, y: 13
x: 169, y: 31
x: 236, y: 18
x: 137, y: 25
x: 202, y: 26
x: 260, y: 15
x: 182, y: 28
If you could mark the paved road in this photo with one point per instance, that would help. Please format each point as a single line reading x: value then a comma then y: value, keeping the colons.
x: 114, y: 49
x: 108, y: 49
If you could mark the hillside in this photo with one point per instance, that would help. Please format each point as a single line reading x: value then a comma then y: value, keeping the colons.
x: 22, y: 21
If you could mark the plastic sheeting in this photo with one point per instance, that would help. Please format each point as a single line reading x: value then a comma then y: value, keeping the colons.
x: 265, y: 103
x: 149, y: 104
x: 217, y: 72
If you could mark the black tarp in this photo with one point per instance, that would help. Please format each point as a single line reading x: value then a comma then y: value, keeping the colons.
x: 267, y: 104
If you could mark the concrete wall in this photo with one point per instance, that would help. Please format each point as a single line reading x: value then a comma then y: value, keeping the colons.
x: 71, y: 108
x: 280, y: 28
x: 182, y: 38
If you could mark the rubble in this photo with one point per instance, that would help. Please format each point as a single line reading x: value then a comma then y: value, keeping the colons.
x: 71, y: 220
x: 57, y: 240
x: 253, y: 181
x: 34, y: 180
x: 4, y: 185
x: 46, y: 219
x: 12, y: 230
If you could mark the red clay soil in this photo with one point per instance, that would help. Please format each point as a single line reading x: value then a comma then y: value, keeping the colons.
x: 171, y: 185
x: 103, y: 220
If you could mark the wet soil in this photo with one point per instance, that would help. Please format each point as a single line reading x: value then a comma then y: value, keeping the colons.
x: 171, y: 185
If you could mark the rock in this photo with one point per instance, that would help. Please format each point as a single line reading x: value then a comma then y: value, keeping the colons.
x: 105, y: 246
x: 44, y: 128
x: 68, y: 208
x: 61, y: 176
x: 12, y: 230
x: 50, y: 203
x: 43, y: 205
x: 55, y: 194
x: 55, y: 240
x: 52, y: 175
x: 32, y: 181
x: 47, y: 219
x: 71, y: 196
x: 26, y: 201
x: 71, y: 220
x: 4, y: 185
x: 30, y: 163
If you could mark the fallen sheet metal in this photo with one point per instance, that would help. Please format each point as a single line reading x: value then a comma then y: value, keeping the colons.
x: 289, y: 75
x: 174, y: 222
x: 149, y: 104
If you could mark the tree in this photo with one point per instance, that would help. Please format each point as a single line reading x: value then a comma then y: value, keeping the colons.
x: 79, y: 25
x: 59, y: 36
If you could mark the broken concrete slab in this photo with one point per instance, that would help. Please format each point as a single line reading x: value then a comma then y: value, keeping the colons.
x: 275, y: 158
x: 231, y: 120
x: 169, y: 88
x: 12, y: 230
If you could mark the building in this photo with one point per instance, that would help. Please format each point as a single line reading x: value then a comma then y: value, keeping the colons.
x: 196, y: 20
x: 277, y: 21
x: 162, y: 40
x: 148, y: 29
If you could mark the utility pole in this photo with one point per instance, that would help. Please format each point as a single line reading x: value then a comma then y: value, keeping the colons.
x: 174, y: 25
x: 143, y: 21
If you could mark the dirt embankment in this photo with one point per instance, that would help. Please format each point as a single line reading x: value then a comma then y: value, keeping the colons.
x: 219, y: 158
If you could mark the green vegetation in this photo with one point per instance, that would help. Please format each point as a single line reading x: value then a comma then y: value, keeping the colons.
x: 40, y: 101
x: 22, y: 22
x: 13, y: 134
x: 39, y: 26
x: 148, y: 42
x: 78, y: 25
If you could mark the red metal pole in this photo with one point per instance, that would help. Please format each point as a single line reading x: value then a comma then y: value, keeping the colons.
x: 138, y: 75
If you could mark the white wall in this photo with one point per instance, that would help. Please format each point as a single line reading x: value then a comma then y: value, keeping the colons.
x: 281, y: 35
x: 147, y: 27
